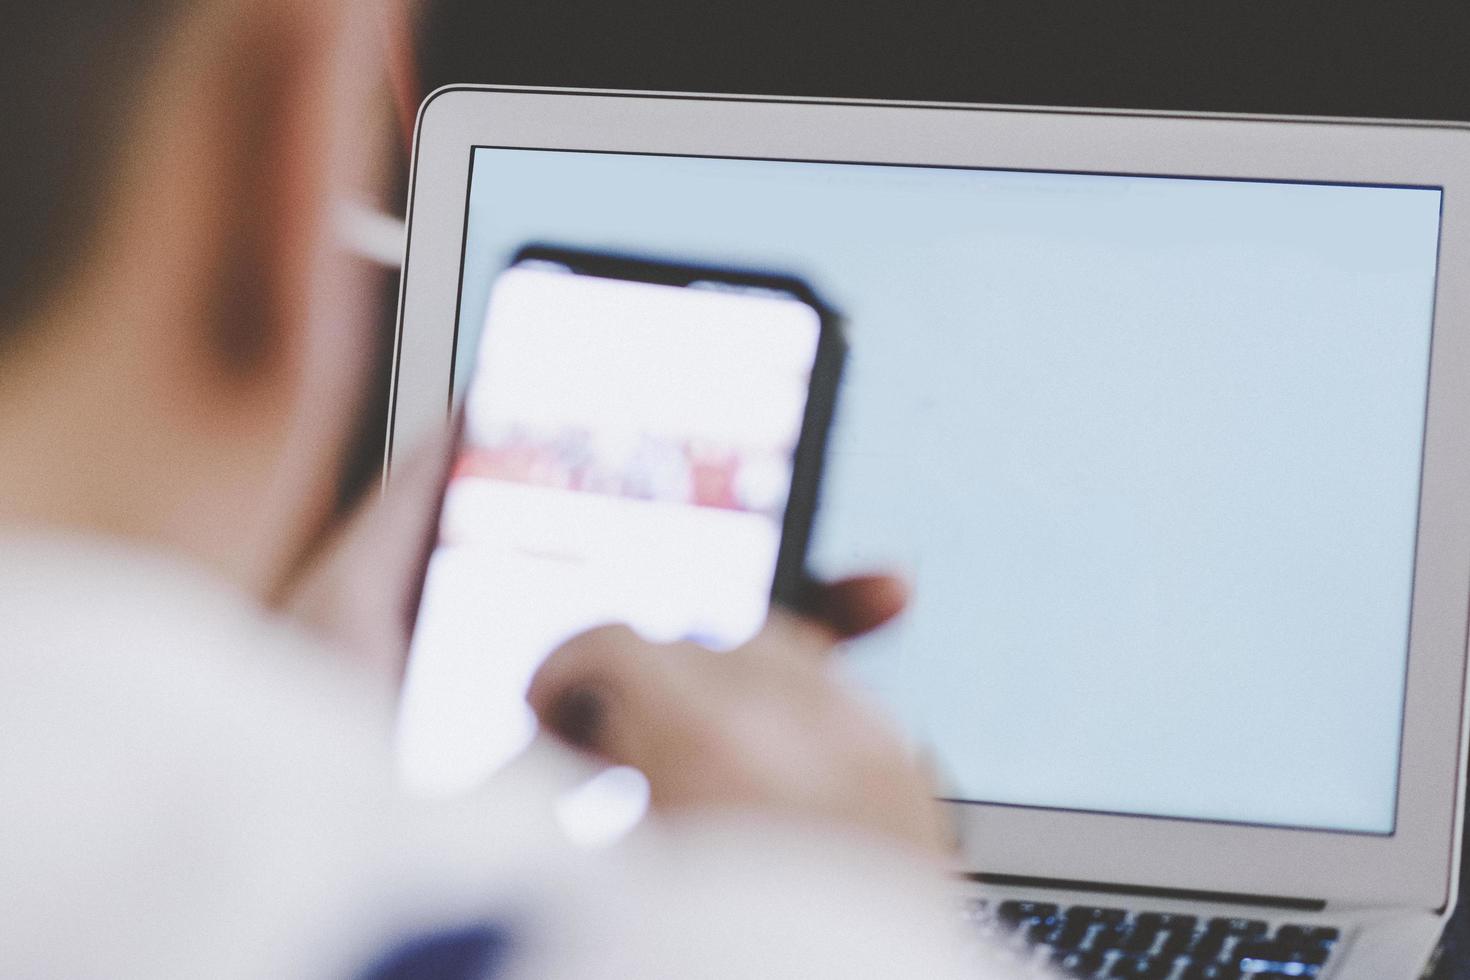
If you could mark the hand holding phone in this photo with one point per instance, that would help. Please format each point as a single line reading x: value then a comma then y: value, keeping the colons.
x: 764, y: 729
x: 640, y: 443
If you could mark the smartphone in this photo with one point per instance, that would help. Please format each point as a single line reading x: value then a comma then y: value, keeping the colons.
x: 640, y: 442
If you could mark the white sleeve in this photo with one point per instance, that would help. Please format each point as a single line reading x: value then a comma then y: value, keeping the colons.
x: 746, y: 898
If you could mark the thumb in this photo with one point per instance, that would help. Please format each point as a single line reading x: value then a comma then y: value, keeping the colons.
x: 609, y: 692
x: 358, y: 589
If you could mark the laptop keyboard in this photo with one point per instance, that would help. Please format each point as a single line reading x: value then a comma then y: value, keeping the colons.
x: 1120, y: 944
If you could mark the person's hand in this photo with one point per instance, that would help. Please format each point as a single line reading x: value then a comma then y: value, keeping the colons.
x: 763, y: 728
x: 357, y: 591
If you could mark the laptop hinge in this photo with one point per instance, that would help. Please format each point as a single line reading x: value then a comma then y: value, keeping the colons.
x: 1185, y: 894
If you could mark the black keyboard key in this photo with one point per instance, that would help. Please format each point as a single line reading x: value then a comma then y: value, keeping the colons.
x: 1176, y: 941
x: 1313, y: 956
x: 1163, y: 920
x: 1104, y: 938
x: 1142, y: 939
x: 1142, y: 968
x: 1301, y: 937
x: 1208, y: 947
x: 1089, y: 914
x: 1071, y: 934
x: 1161, y: 934
x: 1016, y: 914
x: 1078, y: 963
x: 1263, y: 950
x: 1238, y: 927
x: 1268, y: 956
x: 1082, y: 940
x: 1211, y: 971
x: 1220, y: 933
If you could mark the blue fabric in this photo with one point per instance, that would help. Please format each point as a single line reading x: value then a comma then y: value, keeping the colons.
x: 472, y: 952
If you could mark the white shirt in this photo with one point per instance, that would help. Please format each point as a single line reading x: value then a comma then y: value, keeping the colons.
x: 191, y: 788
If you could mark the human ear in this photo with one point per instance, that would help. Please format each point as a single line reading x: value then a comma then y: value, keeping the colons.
x: 270, y: 103
x: 278, y: 354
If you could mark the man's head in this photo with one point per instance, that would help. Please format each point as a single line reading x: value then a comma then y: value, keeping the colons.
x: 181, y: 346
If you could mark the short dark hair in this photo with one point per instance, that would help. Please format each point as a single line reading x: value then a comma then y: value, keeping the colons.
x: 72, y: 75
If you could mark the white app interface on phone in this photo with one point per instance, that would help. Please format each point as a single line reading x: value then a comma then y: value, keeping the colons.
x: 626, y: 456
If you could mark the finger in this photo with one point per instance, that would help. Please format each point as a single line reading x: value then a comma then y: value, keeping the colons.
x: 605, y: 691
x: 382, y: 542
x: 358, y: 586
x: 854, y: 606
x: 578, y: 671
x: 787, y: 635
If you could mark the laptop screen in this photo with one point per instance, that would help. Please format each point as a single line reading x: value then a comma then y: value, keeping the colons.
x: 1148, y: 448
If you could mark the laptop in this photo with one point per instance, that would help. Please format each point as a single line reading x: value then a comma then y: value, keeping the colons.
x: 1166, y: 416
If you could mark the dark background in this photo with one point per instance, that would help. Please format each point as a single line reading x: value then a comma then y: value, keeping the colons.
x: 1393, y: 59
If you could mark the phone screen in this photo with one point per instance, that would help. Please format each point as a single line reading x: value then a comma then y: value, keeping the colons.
x: 626, y: 456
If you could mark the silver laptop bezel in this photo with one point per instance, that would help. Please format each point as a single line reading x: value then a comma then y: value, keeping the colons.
x: 1413, y: 866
